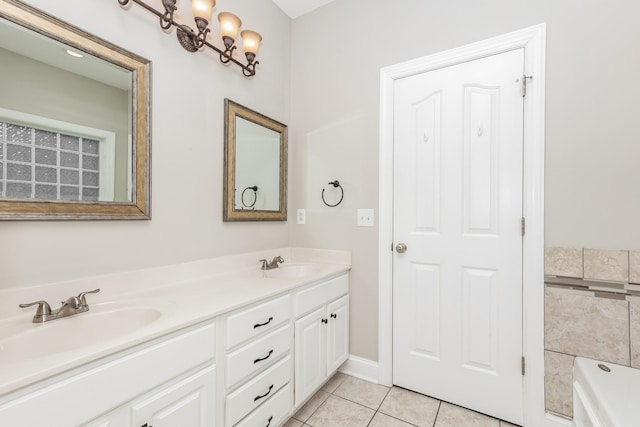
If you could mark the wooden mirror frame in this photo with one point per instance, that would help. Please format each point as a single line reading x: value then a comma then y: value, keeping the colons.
x: 140, y: 206
x: 231, y: 111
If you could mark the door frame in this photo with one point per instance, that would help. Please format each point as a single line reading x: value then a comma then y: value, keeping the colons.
x: 533, y: 40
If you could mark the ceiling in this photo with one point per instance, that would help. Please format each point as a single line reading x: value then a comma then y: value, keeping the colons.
x: 295, y: 8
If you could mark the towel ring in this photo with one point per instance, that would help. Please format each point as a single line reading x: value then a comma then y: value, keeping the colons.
x: 335, y: 184
x: 255, y: 196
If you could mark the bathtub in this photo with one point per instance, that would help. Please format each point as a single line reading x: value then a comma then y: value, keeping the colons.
x: 605, y: 394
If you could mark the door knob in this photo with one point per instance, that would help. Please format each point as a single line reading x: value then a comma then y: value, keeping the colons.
x: 401, y: 248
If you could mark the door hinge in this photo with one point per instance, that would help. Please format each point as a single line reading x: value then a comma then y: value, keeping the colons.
x: 524, y: 84
x: 523, y: 366
x: 523, y: 227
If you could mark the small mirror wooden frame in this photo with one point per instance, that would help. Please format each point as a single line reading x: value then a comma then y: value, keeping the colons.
x: 230, y: 213
x: 140, y: 206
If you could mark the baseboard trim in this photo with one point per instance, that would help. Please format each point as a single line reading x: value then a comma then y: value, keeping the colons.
x: 556, y: 421
x: 359, y: 367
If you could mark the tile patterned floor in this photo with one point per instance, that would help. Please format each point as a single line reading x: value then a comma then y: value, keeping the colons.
x: 346, y: 401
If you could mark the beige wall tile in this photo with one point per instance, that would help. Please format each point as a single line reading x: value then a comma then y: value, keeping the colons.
x: 605, y: 264
x: 558, y: 379
x: 635, y: 333
x: 587, y: 326
x: 634, y: 266
x: 565, y: 262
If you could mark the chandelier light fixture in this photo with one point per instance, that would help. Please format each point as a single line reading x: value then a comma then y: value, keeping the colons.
x: 192, y: 41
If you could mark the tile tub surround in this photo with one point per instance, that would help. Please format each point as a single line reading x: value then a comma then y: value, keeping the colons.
x: 558, y: 382
x: 634, y: 309
x: 587, y: 326
x: 565, y: 262
x: 609, y: 265
x: 385, y: 407
x: 595, y: 314
x: 186, y: 294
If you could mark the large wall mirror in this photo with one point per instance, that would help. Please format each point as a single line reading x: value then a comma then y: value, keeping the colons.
x: 255, y: 181
x: 74, y: 122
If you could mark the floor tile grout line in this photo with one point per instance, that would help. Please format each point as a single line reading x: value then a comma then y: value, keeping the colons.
x: 435, y: 420
x: 375, y: 411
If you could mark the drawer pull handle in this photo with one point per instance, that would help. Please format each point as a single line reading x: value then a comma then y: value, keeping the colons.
x: 263, y: 358
x: 325, y: 321
x: 269, y: 423
x: 257, y: 325
x: 255, y: 399
x: 334, y: 316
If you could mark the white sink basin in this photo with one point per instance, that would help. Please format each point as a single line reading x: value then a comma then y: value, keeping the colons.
x: 292, y: 271
x: 100, y: 324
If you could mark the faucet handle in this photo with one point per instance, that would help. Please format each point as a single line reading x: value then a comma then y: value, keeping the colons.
x: 44, y: 309
x: 264, y: 263
x: 81, y: 296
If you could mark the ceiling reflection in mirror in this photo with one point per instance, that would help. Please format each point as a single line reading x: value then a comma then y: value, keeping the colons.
x: 74, y: 122
x: 65, y: 121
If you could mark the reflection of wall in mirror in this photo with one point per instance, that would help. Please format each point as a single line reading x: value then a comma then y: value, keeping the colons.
x: 33, y: 87
x: 257, y: 163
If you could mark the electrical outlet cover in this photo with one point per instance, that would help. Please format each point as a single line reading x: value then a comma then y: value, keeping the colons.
x: 365, y: 218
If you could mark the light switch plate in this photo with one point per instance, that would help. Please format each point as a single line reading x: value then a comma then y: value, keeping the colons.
x: 301, y: 217
x: 365, y: 218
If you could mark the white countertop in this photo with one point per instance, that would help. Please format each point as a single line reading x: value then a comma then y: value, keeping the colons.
x: 185, y: 294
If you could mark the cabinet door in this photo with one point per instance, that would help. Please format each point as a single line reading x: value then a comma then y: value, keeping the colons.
x: 189, y: 403
x: 311, y: 353
x: 337, y: 334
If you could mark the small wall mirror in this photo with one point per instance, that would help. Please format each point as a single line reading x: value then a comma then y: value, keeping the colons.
x: 74, y: 122
x: 255, y: 181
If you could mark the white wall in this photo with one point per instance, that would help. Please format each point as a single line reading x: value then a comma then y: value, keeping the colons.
x: 187, y: 150
x: 592, y: 150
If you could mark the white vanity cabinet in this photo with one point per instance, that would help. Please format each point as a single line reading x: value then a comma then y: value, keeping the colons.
x: 151, y: 384
x: 244, y: 367
x: 258, y: 364
x: 321, y: 334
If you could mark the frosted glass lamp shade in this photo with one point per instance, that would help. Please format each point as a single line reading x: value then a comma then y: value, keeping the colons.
x: 251, y: 41
x: 202, y: 8
x: 229, y: 25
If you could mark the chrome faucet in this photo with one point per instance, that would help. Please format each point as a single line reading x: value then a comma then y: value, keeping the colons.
x: 73, y: 305
x: 270, y: 265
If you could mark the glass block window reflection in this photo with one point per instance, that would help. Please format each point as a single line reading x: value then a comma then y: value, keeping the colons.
x: 39, y: 164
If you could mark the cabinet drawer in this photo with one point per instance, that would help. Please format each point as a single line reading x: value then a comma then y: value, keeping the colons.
x: 255, y: 392
x: 249, y: 359
x: 320, y: 294
x: 251, y: 322
x: 272, y: 413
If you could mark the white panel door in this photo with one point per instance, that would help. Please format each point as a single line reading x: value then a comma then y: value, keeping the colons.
x: 337, y: 334
x: 457, y: 313
x: 311, y: 353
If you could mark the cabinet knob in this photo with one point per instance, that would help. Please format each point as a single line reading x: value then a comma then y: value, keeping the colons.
x: 334, y: 316
x: 325, y: 321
